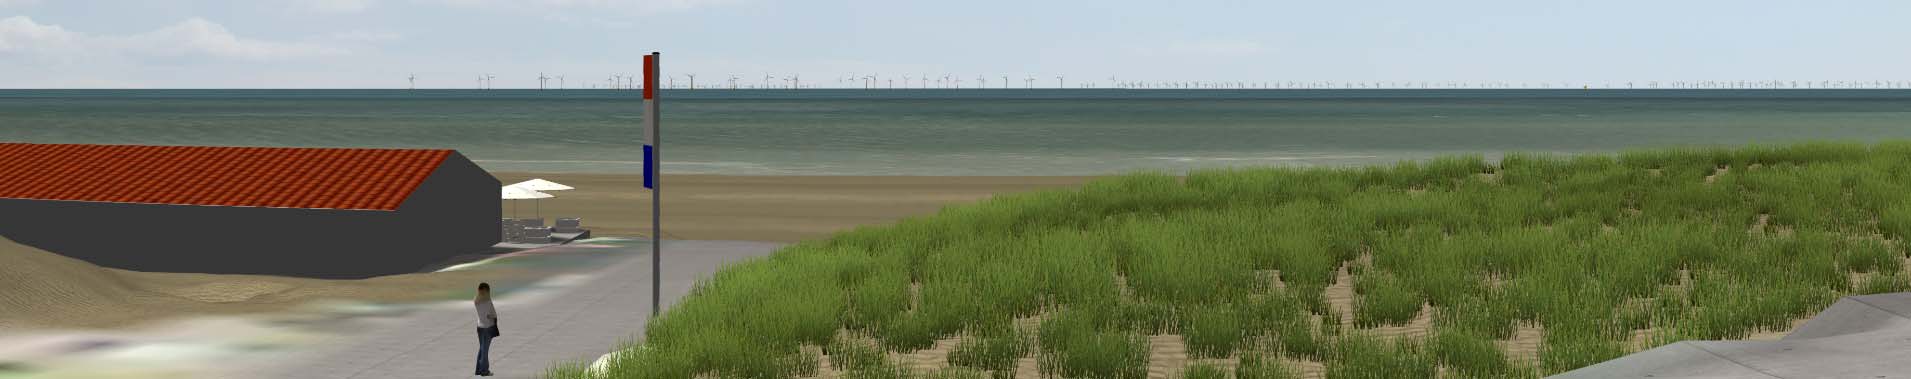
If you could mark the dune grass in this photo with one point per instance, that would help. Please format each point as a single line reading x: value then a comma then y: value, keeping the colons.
x: 1596, y: 250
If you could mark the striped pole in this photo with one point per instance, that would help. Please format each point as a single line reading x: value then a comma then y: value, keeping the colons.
x: 653, y: 170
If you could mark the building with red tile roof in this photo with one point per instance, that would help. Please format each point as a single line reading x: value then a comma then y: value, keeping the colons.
x: 314, y: 212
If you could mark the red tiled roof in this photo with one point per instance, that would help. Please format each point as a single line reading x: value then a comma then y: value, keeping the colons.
x: 281, y: 177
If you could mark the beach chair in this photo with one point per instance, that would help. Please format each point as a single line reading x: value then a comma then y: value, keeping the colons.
x: 570, y: 225
x: 512, y: 229
x: 534, y: 234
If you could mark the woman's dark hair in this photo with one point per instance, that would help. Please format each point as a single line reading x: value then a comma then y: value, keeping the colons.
x: 484, y: 286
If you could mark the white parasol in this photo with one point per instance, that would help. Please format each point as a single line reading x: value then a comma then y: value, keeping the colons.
x: 541, y: 185
x: 536, y: 184
x: 514, y: 194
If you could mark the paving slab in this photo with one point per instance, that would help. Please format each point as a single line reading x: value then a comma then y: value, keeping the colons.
x: 1674, y: 360
x: 1865, y: 336
x: 1858, y: 314
x: 573, y: 318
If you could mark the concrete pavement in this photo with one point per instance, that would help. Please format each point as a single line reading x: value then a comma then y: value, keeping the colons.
x: 1864, y: 336
x: 572, y: 317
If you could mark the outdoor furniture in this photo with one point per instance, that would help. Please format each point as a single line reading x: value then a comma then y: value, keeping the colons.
x: 570, y: 225
x: 533, y: 234
x: 512, y: 229
x: 537, y: 231
x: 516, y: 228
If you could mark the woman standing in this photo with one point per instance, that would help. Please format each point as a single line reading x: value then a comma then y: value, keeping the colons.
x: 487, y: 327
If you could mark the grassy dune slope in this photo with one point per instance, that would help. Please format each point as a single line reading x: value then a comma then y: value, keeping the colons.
x: 1452, y: 267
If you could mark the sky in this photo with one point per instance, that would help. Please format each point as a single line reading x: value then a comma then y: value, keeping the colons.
x: 450, y: 43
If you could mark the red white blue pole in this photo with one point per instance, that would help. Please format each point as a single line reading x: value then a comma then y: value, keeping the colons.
x: 653, y: 168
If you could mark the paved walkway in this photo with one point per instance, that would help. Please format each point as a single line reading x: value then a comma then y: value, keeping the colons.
x: 578, y: 317
x: 1864, y: 336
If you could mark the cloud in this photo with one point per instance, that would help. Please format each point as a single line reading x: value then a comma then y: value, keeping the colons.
x: 1220, y: 48
x: 622, y: 6
x: 21, y: 36
x: 332, y: 6
x: 366, y: 36
x: 10, y: 3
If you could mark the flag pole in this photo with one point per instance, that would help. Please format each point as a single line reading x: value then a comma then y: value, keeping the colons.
x: 654, y: 171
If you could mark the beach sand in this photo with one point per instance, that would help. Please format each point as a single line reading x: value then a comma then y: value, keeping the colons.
x: 761, y: 208
x: 50, y: 290
x: 47, y: 290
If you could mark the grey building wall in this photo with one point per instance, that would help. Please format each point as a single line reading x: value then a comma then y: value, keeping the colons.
x: 453, y: 212
x: 457, y: 207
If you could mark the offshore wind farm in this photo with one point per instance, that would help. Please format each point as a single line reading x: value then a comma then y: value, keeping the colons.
x: 874, y: 81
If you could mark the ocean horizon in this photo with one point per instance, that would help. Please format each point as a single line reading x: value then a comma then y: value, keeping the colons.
x: 958, y: 131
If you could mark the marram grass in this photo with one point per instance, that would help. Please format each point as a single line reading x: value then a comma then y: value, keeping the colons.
x: 1606, y: 254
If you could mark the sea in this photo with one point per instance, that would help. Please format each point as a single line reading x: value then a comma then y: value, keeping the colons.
x: 958, y: 132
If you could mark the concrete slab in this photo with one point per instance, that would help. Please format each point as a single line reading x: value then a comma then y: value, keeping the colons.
x: 1858, y: 337
x: 1675, y: 360
x: 569, y: 318
x: 1858, y: 314
x: 1865, y: 355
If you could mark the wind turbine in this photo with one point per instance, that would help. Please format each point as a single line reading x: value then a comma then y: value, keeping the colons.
x: 905, y: 81
x: 766, y: 80
x: 1058, y: 82
x: 1005, y: 82
x: 981, y: 82
x: 480, y: 81
x: 560, y: 82
x: 693, y: 80
x: 733, y: 82
x: 488, y: 79
x: 413, y: 79
x: 925, y: 81
x: 541, y: 79
x: 1030, y: 81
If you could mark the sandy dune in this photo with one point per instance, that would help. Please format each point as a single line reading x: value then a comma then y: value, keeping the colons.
x: 49, y: 290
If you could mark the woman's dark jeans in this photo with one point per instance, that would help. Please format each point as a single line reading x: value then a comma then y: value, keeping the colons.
x: 484, y: 350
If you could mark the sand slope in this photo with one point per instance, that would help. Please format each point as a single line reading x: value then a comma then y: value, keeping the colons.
x: 43, y: 289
